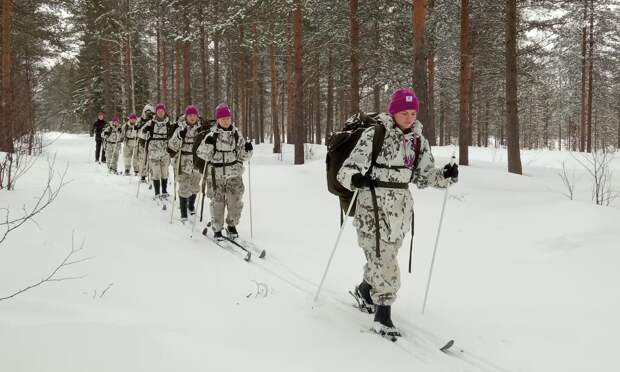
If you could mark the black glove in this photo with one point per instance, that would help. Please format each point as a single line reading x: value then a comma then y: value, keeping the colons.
x: 183, y: 132
x: 451, y: 171
x: 358, y: 180
x: 248, y: 146
x: 211, y: 140
x: 149, y: 129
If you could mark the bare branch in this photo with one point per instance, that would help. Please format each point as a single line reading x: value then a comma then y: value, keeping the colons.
x: 52, y: 276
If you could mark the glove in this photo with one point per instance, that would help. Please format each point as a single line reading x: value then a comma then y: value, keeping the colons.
x: 211, y: 140
x: 248, y: 147
x: 183, y: 132
x: 358, y: 181
x: 451, y: 170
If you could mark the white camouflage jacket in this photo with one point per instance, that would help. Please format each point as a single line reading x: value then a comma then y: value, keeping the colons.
x: 394, y: 164
x: 228, y: 154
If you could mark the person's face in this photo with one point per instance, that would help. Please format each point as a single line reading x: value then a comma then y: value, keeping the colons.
x: 192, y: 119
x: 161, y: 113
x: 405, y: 119
x: 132, y: 121
x: 225, y: 122
x: 100, y: 116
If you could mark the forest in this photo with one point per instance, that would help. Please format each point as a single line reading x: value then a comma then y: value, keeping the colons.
x: 536, y: 74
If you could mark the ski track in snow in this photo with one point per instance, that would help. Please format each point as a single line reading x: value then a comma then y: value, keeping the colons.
x: 157, y: 300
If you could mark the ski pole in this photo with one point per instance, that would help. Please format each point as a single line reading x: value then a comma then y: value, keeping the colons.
x: 175, y: 182
x: 146, y: 167
x: 202, y: 194
x: 331, y: 256
x: 250, y: 195
x: 430, y: 272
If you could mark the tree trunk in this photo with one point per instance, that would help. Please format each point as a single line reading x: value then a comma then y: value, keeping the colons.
x: 584, y: 100
x: 6, y: 127
x: 204, y: 68
x: 290, y: 89
x: 317, y: 101
x: 216, y: 59
x: 590, y: 77
x: 420, y: 54
x: 329, y: 125
x: 512, y: 115
x: 254, y: 86
x: 187, y: 88
x: 164, y: 74
x: 355, y: 68
x: 376, y: 90
x: 158, y: 64
x: 431, y: 90
x: 277, y: 146
x: 299, y: 86
x: 465, y: 85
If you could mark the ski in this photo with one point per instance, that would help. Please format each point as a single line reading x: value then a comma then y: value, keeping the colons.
x: 246, y: 255
x: 244, y: 244
x: 250, y: 246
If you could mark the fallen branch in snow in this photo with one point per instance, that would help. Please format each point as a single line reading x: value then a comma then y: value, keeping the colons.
x: 52, y: 276
x: 47, y: 196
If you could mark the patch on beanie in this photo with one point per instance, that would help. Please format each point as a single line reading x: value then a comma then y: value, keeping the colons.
x: 408, y: 98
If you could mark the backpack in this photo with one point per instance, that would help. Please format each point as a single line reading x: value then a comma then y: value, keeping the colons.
x: 339, y: 147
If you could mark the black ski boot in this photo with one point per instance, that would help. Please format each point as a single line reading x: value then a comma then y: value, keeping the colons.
x: 142, y: 179
x: 135, y: 173
x: 164, y: 187
x: 191, y: 202
x: 183, y: 206
x: 383, y: 323
x: 126, y: 172
x: 231, y: 231
x: 361, y: 294
x: 218, y: 236
x: 156, y: 186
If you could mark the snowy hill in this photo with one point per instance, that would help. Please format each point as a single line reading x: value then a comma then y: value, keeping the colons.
x: 524, y: 280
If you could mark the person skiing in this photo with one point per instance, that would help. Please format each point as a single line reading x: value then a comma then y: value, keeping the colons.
x: 96, y: 131
x: 224, y: 149
x: 147, y: 115
x: 156, y: 132
x: 130, y: 148
x: 181, y: 143
x: 113, y: 136
x: 383, y: 191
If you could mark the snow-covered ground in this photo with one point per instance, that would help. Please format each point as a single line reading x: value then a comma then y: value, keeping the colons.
x: 525, y: 279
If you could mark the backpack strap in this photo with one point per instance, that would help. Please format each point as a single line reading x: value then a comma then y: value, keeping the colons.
x: 377, y: 144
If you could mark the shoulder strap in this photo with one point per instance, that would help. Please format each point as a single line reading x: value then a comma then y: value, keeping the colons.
x: 377, y: 142
x: 417, y: 151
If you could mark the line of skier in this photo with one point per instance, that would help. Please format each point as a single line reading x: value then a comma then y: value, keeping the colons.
x: 370, y: 165
x: 203, y: 153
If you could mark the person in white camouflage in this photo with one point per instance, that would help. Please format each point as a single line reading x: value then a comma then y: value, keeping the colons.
x: 147, y: 115
x: 187, y: 177
x: 404, y: 158
x: 130, y: 147
x: 157, y: 134
x: 113, y: 136
x: 225, y: 150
